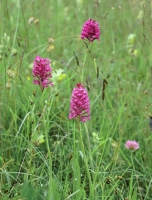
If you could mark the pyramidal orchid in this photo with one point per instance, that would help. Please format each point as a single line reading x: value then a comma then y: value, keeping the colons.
x: 90, y: 30
x: 42, y: 72
x: 80, y: 104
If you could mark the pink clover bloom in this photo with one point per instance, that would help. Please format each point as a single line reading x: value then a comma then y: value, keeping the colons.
x: 132, y: 145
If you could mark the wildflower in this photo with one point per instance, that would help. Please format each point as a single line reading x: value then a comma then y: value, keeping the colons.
x: 80, y: 104
x: 36, y: 21
x: 131, y: 40
x: 50, y: 48
x: 39, y: 140
x: 61, y: 77
x: 58, y: 76
x: 42, y: 72
x: 96, y: 138
x: 31, y: 19
x: 132, y: 145
x: 131, y: 45
x: 28, y: 78
x: 11, y: 73
x: 90, y: 30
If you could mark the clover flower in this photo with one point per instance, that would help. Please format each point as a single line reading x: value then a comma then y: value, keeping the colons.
x: 132, y: 145
x: 42, y: 71
x: 90, y: 30
x: 80, y: 104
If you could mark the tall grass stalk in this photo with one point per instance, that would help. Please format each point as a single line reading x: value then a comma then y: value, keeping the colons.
x: 88, y: 171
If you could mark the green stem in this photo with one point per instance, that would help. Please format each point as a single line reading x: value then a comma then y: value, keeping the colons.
x: 85, y: 57
x: 89, y: 146
x: 132, y: 162
x: 86, y: 165
x: 50, y: 189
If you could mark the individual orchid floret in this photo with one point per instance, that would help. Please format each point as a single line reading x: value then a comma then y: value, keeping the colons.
x: 132, y: 145
x: 80, y: 104
x: 90, y: 30
x: 42, y: 72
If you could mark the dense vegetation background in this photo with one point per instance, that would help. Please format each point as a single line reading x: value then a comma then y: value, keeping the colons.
x: 44, y: 155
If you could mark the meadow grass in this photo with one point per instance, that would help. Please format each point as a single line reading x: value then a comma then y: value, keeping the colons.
x: 43, y: 154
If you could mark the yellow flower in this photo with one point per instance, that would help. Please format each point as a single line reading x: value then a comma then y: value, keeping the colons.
x: 133, y: 52
x: 38, y: 139
x: 28, y: 78
x: 131, y: 40
x: 61, y: 77
x: 57, y: 76
x: 50, y: 48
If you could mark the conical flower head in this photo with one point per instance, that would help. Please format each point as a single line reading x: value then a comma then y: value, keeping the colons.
x: 132, y: 145
x: 42, y: 71
x: 80, y: 104
x: 90, y: 30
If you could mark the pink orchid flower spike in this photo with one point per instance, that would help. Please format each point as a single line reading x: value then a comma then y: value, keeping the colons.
x: 80, y: 104
x: 42, y: 72
x: 90, y: 30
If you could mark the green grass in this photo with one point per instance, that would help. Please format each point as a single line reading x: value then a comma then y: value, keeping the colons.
x: 43, y: 154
